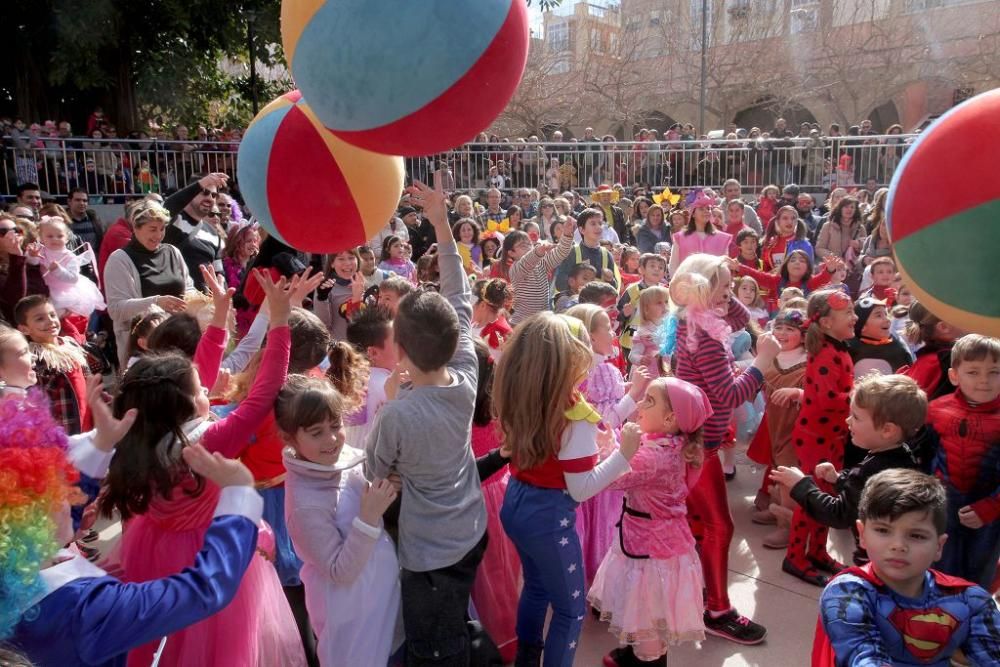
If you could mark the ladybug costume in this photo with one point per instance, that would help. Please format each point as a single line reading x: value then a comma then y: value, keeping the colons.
x: 819, y: 436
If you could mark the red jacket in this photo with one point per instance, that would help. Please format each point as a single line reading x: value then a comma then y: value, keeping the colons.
x: 116, y: 238
x: 969, y: 450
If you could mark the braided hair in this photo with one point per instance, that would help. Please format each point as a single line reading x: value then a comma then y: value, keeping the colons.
x: 147, y: 461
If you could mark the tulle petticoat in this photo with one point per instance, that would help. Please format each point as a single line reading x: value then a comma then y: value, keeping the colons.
x: 82, y: 297
x: 650, y: 599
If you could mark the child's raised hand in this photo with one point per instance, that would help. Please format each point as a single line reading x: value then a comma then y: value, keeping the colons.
x: 786, y: 396
x: 357, y: 286
x: 33, y: 250
x: 826, y: 471
x: 968, y: 518
x: 631, y: 440
x: 395, y: 379
x: 375, y: 500
x: 767, y: 349
x: 433, y: 203
x: 109, y: 430
x: 222, y: 298
x: 641, y: 377
x: 304, y: 284
x: 216, y: 467
x: 278, y: 295
x: 787, y: 477
x: 221, y: 385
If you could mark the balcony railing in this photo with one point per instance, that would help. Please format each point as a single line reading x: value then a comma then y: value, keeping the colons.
x: 110, y: 172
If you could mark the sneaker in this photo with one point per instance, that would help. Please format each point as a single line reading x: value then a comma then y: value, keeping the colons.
x: 809, y: 575
x: 89, y: 535
x: 776, y: 539
x: 90, y: 553
x: 763, y: 517
x: 735, y: 628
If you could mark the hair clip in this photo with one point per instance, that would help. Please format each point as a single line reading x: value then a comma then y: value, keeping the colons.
x: 838, y: 301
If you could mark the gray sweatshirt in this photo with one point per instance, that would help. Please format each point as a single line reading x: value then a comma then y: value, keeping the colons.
x: 424, y: 436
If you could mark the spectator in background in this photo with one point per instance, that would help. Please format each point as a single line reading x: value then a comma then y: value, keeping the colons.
x: 396, y: 227
x: 805, y: 205
x: 84, y: 223
x: 731, y: 190
x: 20, y: 267
x: 30, y: 196
x: 190, y: 231
x: 493, y: 210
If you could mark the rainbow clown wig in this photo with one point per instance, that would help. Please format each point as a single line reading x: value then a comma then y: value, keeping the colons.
x: 36, y: 482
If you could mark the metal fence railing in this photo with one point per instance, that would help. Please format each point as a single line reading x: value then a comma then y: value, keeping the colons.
x: 109, y: 172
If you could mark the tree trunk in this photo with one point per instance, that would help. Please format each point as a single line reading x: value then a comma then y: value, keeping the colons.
x: 125, y: 103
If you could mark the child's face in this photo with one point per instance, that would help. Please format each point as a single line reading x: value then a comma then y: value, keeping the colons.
x: 490, y: 249
x: 902, y: 550
x: 466, y: 233
x: 839, y: 276
x: 389, y: 300
x: 866, y: 435
x: 655, y: 311
x: 320, y: 443
x: 16, y: 368
x: 601, y: 336
x: 877, y: 325
x: 883, y: 274
x: 786, y: 223
x: 592, y: 230
x: 652, y: 273
x: 978, y: 380
x: 367, y: 264
x: 904, y: 296
x: 396, y: 250
x: 798, y: 267
x: 748, y: 248
x: 839, y: 323
x: 53, y: 237
x: 576, y: 283
x: 42, y: 324
x: 384, y: 356
x: 655, y: 413
x: 199, y: 395
x: 632, y: 263
x: 788, y: 337
x: 345, y: 265
x: 746, y: 293
x: 724, y: 291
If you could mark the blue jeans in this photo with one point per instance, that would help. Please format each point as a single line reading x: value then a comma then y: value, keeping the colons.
x: 542, y: 525
x: 969, y: 553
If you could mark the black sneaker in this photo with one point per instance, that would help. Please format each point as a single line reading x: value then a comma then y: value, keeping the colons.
x: 735, y: 628
x: 90, y: 553
x: 89, y: 535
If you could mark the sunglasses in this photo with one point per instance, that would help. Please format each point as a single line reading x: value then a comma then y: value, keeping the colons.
x: 16, y: 230
x: 209, y: 193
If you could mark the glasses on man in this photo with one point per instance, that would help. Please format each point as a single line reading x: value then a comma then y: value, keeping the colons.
x: 209, y: 193
x: 17, y: 230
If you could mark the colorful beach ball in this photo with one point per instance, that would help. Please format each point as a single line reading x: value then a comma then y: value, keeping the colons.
x: 943, y: 215
x: 406, y: 77
x: 314, y: 191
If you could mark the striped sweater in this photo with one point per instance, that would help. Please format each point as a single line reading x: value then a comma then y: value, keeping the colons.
x: 529, y: 276
x: 711, y: 368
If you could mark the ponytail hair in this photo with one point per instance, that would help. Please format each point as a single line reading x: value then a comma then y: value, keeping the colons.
x: 348, y: 372
x: 694, y: 450
x: 922, y: 325
x: 819, y: 307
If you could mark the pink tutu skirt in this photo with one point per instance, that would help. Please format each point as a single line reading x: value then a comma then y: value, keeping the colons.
x: 256, y: 629
x: 596, y: 518
x: 650, y: 599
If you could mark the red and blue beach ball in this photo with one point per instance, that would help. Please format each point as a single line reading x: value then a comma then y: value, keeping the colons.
x: 312, y: 190
x: 943, y: 215
x: 406, y: 77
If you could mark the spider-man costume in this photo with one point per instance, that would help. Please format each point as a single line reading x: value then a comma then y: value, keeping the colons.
x: 863, y: 623
x: 967, y: 461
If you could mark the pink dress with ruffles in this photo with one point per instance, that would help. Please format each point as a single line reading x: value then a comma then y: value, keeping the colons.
x: 497, y: 588
x: 604, y: 389
x: 649, y: 586
x: 257, y: 628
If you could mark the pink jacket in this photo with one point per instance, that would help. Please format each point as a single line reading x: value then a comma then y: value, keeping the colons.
x: 654, y: 521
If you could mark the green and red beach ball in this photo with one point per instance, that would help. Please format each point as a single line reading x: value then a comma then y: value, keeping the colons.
x: 943, y: 216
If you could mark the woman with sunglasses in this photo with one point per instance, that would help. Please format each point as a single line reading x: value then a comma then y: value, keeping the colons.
x: 20, y: 267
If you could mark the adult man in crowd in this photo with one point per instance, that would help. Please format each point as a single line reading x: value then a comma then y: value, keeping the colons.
x: 805, y: 205
x: 589, y: 151
x: 493, y: 211
x: 529, y: 208
x: 30, y: 196
x: 615, y: 230
x: 420, y: 229
x: 731, y: 190
x: 85, y: 225
x: 197, y: 240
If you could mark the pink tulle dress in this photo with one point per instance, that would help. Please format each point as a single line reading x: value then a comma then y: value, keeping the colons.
x: 649, y: 586
x: 497, y: 588
x: 257, y: 628
x: 596, y: 517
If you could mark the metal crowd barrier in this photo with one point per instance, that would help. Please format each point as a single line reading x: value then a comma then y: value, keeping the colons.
x: 110, y: 171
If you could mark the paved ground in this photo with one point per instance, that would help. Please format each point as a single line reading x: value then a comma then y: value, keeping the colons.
x: 757, y: 586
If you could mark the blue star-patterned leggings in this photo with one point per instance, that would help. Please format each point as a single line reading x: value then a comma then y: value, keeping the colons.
x: 541, y: 524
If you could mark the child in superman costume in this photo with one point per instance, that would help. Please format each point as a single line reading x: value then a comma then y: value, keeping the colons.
x: 896, y: 611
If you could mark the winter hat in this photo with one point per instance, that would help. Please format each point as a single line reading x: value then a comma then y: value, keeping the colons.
x: 863, y: 309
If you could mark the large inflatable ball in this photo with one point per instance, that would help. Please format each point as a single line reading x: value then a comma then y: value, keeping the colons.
x: 314, y: 191
x: 406, y: 77
x: 943, y: 215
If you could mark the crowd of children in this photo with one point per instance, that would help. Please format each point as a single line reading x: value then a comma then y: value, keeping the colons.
x: 442, y: 460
